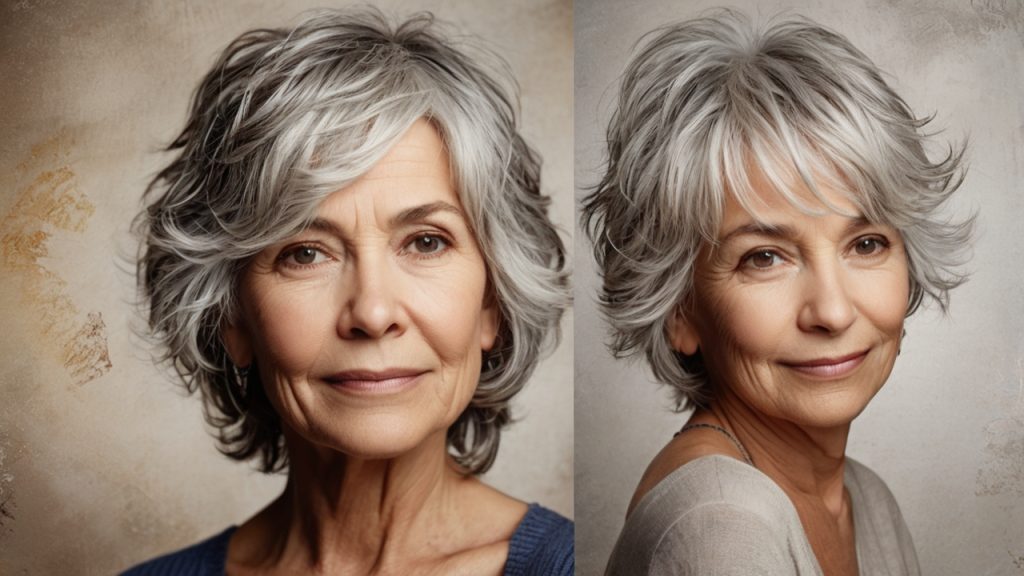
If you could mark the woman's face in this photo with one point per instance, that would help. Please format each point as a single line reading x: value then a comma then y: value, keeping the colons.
x: 799, y: 316
x: 367, y: 328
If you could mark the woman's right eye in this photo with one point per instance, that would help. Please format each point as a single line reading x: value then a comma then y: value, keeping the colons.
x: 303, y: 256
x: 761, y: 259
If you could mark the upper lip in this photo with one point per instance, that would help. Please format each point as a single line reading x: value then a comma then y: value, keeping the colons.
x: 827, y: 361
x: 387, y: 374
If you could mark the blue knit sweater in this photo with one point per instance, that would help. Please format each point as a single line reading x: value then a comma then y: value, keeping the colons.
x: 542, y: 545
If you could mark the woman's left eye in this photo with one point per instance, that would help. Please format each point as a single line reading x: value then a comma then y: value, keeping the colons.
x: 870, y: 245
x: 428, y: 244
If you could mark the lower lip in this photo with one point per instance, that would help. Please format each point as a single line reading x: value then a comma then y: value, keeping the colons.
x: 384, y: 386
x: 829, y: 371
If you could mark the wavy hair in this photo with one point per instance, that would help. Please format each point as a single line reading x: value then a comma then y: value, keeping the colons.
x: 702, y: 103
x: 286, y: 117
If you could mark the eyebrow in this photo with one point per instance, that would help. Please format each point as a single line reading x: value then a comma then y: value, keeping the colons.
x: 783, y: 231
x: 407, y: 216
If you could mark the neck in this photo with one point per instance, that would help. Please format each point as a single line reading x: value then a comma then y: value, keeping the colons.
x: 804, y: 461
x: 339, y: 510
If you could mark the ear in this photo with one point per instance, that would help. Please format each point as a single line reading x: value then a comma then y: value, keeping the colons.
x: 236, y: 343
x: 683, y: 334
x: 490, y: 320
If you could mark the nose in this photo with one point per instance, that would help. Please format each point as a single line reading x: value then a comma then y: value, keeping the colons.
x: 372, y: 307
x: 827, y: 306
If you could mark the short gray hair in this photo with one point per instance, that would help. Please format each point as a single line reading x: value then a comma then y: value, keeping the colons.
x: 285, y: 118
x: 705, y: 100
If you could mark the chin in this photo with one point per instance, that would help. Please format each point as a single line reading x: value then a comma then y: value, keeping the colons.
x: 372, y: 436
x: 833, y: 410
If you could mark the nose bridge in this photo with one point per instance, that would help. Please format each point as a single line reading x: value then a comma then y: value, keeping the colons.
x: 827, y: 305
x: 371, y: 306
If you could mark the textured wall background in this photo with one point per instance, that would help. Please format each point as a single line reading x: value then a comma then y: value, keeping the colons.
x: 947, y: 431
x: 102, y: 461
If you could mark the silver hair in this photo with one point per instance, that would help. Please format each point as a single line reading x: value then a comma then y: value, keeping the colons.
x: 285, y: 118
x: 706, y: 101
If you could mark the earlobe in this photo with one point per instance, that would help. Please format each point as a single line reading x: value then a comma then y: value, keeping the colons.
x: 236, y: 343
x: 683, y: 334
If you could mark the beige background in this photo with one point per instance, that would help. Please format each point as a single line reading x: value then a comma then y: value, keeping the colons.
x: 947, y: 431
x: 103, y: 462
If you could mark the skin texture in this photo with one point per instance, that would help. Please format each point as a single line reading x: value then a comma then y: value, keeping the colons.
x: 780, y: 289
x: 367, y: 330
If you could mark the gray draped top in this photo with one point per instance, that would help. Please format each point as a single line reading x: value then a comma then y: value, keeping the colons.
x: 718, y: 515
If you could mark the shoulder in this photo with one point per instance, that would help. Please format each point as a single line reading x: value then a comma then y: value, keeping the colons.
x: 714, y: 514
x: 206, y: 557
x: 542, y: 544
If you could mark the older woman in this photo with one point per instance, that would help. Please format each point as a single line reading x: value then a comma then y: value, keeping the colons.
x: 350, y: 258
x: 767, y: 221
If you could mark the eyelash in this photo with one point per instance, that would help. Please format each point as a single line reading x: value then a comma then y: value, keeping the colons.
x: 292, y: 250
x: 408, y: 247
x: 881, y: 242
x: 445, y: 245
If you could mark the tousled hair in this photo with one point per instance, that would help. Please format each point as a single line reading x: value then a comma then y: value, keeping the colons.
x: 287, y: 117
x: 706, y: 101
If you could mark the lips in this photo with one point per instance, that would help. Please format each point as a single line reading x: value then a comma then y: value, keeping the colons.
x: 375, y: 381
x: 829, y: 367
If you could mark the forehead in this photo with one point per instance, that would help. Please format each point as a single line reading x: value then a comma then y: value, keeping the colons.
x: 419, y: 153
x: 414, y: 171
x: 782, y: 196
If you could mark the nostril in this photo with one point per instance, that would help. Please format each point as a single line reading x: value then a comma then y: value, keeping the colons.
x: 359, y: 333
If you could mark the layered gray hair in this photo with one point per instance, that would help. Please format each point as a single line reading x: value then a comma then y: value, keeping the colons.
x: 285, y: 118
x: 705, y: 102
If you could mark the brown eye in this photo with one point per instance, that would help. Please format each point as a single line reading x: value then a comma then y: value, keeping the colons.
x: 869, y: 246
x: 763, y: 259
x: 304, y: 256
x: 429, y: 244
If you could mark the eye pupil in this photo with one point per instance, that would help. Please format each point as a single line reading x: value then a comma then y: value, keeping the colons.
x: 762, y: 259
x: 866, y: 246
x: 305, y: 255
x: 428, y: 244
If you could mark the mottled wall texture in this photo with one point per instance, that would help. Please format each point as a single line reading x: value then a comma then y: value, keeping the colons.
x: 103, y: 460
x: 947, y: 431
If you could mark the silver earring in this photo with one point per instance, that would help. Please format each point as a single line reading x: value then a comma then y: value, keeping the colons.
x: 241, y: 377
x: 492, y: 361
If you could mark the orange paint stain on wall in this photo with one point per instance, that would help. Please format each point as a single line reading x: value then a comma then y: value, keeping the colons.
x: 52, y: 204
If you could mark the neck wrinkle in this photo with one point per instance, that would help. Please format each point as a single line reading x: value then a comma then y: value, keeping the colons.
x: 341, y: 511
x: 806, y: 461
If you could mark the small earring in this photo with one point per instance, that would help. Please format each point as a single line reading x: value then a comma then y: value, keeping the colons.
x: 241, y: 380
x: 492, y: 361
x: 241, y: 377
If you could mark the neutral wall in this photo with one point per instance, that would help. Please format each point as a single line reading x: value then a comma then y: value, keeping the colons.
x: 103, y: 462
x: 947, y: 431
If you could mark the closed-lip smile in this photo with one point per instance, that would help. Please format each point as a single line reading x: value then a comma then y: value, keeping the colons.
x: 829, y: 367
x: 375, y: 381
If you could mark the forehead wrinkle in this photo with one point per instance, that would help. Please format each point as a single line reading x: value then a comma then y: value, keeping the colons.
x: 407, y: 216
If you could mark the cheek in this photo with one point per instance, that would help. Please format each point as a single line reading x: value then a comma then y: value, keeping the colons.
x: 447, y: 312
x: 750, y: 321
x: 289, y: 324
x: 887, y: 305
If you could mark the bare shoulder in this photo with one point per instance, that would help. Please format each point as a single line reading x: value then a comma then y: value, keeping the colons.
x: 682, y: 450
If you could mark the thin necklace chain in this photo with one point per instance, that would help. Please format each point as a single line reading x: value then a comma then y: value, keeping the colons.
x: 746, y: 456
